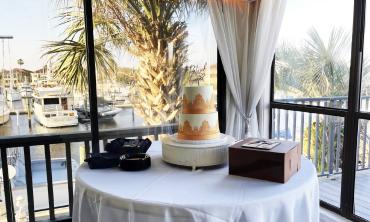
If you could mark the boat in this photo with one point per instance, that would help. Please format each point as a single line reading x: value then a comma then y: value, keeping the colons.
x: 118, y: 98
x: 12, y: 94
x: 10, y: 87
x: 26, y: 90
x: 4, y: 111
x: 53, y: 107
x: 105, y: 112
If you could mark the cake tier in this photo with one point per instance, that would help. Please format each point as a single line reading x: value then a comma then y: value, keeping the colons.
x: 194, y: 154
x: 198, y: 126
x: 198, y: 99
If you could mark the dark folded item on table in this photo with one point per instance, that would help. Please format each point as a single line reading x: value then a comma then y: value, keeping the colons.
x: 102, y: 160
x: 123, y: 146
x: 135, y: 162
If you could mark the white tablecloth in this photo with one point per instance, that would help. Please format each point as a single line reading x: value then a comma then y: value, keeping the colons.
x: 165, y: 193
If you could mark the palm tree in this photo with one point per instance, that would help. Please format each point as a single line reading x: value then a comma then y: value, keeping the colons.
x: 20, y: 62
x: 154, y: 32
x: 287, y: 67
x: 326, y: 65
x: 316, y: 69
x: 69, y: 56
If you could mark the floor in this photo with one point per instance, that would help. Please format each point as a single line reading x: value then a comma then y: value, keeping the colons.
x: 330, y: 192
x: 328, y: 216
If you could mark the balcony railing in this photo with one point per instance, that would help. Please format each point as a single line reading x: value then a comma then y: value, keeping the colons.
x: 9, y: 156
x: 321, y: 136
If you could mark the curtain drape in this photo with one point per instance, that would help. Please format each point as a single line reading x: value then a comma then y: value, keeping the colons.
x: 246, y: 33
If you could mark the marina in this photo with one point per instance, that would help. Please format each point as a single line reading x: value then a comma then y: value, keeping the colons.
x: 19, y: 124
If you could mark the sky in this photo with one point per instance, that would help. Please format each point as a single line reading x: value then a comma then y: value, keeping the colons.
x: 301, y: 15
x: 33, y: 23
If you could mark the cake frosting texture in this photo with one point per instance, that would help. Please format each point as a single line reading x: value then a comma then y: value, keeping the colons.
x: 198, y: 100
x: 199, y: 119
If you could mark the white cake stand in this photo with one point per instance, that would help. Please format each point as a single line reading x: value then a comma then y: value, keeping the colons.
x: 195, y: 154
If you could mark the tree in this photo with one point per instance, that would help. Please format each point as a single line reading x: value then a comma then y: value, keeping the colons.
x: 316, y: 69
x: 154, y: 32
x: 20, y: 62
x: 69, y: 56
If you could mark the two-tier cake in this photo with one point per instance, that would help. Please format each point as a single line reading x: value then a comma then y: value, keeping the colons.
x: 198, y: 142
x: 199, y: 119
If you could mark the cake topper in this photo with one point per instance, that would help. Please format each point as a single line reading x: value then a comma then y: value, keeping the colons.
x: 196, y: 74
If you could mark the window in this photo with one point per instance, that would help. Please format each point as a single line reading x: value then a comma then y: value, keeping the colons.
x: 320, y: 95
x: 314, y: 53
x: 51, y: 101
x: 321, y: 138
x: 151, y: 63
x: 57, y: 32
x: 29, y: 32
x: 362, y: 163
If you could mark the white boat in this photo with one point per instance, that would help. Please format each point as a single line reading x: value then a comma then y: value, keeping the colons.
x: 26, y: 91
x: 12, y: 94
x: 105, y: 112
x: 118, y: 98
x: 53, y: 107
x: 4, y: 111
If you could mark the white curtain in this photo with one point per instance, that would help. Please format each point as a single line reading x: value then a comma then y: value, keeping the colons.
x: 246, y: 34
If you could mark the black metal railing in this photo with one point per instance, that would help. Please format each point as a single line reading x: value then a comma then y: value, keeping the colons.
x: 321, y: 136
x: 30, y: 141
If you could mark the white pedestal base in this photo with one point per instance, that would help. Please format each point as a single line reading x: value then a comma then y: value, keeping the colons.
x: 193, y: 154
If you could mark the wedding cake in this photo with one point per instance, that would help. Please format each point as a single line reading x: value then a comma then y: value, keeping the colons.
x: 199, y: 118
x: 198, y: 142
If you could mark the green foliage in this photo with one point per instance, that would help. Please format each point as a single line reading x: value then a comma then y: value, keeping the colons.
x: 153, y: 32
x: 69, y: 55
x: 20, y: 62
x: 317, y: 68
x: 125, y: 75
x: 323, y: 142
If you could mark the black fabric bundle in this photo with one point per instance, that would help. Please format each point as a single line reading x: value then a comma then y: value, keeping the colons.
x: 124, y: 146
x: 102, y: 160
x: 115, y: 149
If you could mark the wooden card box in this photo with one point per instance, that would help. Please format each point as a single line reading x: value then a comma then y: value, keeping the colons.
x: 277, y: 164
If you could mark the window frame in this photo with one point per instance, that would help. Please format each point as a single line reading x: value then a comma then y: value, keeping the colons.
x: 351, y: 115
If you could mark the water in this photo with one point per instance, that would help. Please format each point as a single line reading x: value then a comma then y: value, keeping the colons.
x: 18, y: 125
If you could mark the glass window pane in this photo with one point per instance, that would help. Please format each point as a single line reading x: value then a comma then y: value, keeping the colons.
x: 37, y: 100
x: 35, y: 67
x: 143, y: 69
x: 313, y: 53
x: 365, y: 84
x: 321, y: 138
x: 362, y: 188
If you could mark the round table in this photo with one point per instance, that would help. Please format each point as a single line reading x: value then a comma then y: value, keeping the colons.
x: 165, y: 193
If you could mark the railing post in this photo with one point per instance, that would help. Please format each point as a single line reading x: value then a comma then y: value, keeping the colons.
x: 29, y: 183
x: 10, y: 214
x: 331, y: 145
x: 302, y: 128
x: 87, y: 148
x: 278, y: 124
x: 49, y: 179
x: 317, y: 140
x: 309, y: 134
x: 323, y: 141
x: 363, y: 160
x: 286, y: 123
x: 337, y: 154
x: 273, y: 119
x: 294, y: 124
x: 69, y: 176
